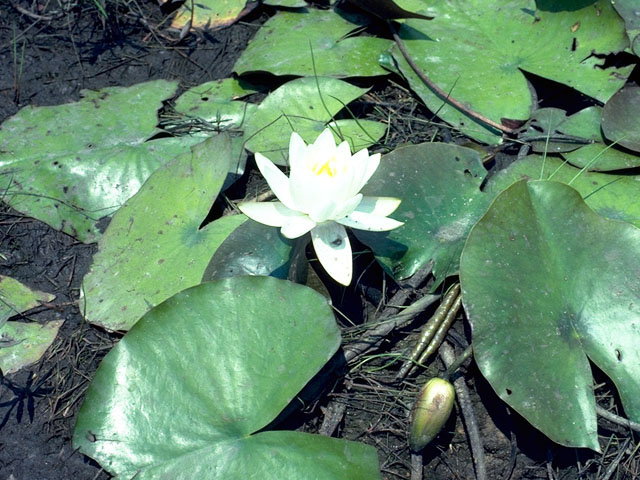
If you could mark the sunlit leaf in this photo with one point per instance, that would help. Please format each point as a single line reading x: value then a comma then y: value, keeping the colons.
x: 313, y: 42
x: 185, y: 394
x: 493, y: 42
x: 70, y: 165
x: 154, y: 246
x: 306, y: 106
x: 211, y: 14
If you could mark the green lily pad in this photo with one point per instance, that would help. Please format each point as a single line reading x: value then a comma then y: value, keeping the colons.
x: 15, y: 298
x: 71, y: 173
x: 545, y: 130
x: 313, y: 42
x: 186, y: 393
x: 251, y: 249
x: 548, y: 285
x: 217, y: 102
x: 297, y: 106
x: 629, y: 10
x: 439, y: 185
x: 621, y: 118
x: 612, y: 196
x: 493, y: 41
x: 154, y: 246
x: 22, y: 344
x: 601, y: 155
x: 211, y: 14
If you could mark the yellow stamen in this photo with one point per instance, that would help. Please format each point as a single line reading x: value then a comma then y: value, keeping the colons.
x: 326, y: 167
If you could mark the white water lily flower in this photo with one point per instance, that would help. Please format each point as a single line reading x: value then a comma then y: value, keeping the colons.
x: 322, y: 196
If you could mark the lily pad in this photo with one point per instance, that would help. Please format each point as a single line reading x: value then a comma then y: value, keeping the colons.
x: 251, y: 249
x: 306, y: 106
x: 154, y: 246
x: 15, y: 298
x: 621, y: 117
x: 494, y: 41
x: 187, y: 392
x: 629, y: 10
x: 612, y: 196
x: 211, y: 14
x: 71, y: 173
x: 601, y: 155
x: 313, y: 42
x: 217, y: 102
x: 542, y: 304
x: 439, y: 185
x: 22, y: 344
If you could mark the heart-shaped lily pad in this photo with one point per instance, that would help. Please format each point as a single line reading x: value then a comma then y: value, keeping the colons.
x: 211, y: 14
x: 154, y: 246
x: 70, y: 165
x: 186, y: 393
x: 313, y: 42
x: 548, y: 285
x: 307, y: 106
x: 439, y: 185
x: 493, y: 42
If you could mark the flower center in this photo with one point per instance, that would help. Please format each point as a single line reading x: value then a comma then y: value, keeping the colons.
x: 328, y: 167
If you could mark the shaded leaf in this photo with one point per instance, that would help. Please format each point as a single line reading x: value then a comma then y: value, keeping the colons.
x: 154, y: 246
x: 251, y: 249
x: 629, y: 10
x: 215, y: 364
x: 542, y: 304
x: 621, y: 118
x: 439, y: 185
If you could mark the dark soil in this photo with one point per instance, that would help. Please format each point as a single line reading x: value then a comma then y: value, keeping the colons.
x: 52, y: 50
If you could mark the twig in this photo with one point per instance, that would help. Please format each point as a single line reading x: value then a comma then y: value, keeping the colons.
x: 616, y: 461
x: 388, y: 320
x: 469, y: 419
x: 618, y: 420
x: 333, y: 414
x: 441, y: 93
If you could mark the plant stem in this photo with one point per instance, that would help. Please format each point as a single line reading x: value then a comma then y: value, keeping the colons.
x: 441, y: 93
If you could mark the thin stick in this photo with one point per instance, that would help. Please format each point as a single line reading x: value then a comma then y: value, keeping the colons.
x: 388, y: 321
x: 468, y: 417
x: 618, y: 420
x: 441, y: 93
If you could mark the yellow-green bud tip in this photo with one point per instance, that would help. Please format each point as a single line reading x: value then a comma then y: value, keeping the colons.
x: 430, y: 412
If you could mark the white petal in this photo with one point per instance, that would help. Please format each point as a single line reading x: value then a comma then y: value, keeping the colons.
x: 381, y: 206
x: 333, y: 249
x: 347, y: 207
x: 297, y: 226
x: 372, y: 164
x: 325, y: 141
x: 277, y: 180
x: 274, y: 214
x: 297, y: 150
x: 369, y: 222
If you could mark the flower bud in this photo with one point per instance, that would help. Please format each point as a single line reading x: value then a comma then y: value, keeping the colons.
x: 430, y: 412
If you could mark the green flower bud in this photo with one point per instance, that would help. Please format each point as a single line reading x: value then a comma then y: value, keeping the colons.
x: 430, y: 412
